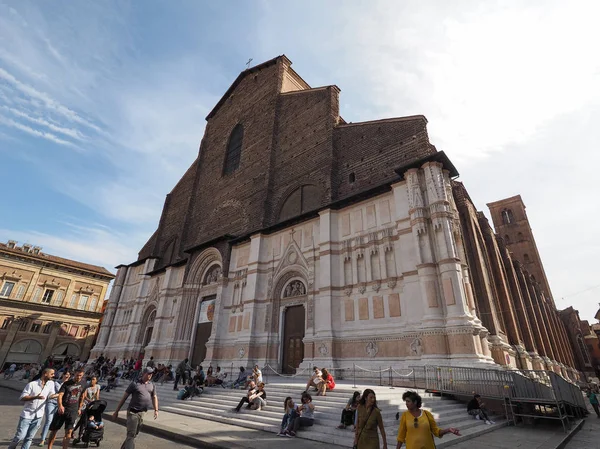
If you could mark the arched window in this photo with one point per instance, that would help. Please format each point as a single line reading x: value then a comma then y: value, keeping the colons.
x: 507, y: 216
x: 506, y: 239
x: 234, y: 150
x: 520, y: 237
x: 526, y: 258
x: 303, y: 199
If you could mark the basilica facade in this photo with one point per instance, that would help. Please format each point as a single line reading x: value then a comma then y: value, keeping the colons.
x: 296, y: 238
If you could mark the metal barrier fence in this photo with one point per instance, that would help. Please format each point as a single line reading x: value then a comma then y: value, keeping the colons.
x: 523, y: 385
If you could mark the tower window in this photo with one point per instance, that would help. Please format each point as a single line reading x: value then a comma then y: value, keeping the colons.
x: 526, y: 258
x: 506, y: 239
x: 507, y: 216
x: 520, y: 237
x: 352, y: 178
x: 234, y: 150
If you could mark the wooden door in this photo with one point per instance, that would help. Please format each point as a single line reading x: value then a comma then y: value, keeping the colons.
x: 293, y: 334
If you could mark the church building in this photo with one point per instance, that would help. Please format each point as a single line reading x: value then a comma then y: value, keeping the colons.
x: 296, y: 238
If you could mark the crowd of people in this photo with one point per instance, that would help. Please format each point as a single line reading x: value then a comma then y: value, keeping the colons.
x: 59, y: 390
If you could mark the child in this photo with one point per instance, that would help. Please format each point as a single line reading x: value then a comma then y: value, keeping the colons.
x: 93, y: 424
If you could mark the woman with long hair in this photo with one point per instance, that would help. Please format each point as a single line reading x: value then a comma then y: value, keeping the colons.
x: 417, y: 426
x: 349, y: 411
x: 288, y: 408
x: 327, y: 384
x: 368, y: 420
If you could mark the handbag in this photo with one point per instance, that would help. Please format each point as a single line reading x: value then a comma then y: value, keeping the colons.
x: 361, y: 429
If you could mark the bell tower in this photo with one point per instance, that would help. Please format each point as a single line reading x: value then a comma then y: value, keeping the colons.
x: 511, y: 223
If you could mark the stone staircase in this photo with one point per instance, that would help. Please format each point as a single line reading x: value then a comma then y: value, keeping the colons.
x: 216, y: 404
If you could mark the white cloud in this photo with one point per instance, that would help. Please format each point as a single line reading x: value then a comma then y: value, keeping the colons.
x: 34, y: 132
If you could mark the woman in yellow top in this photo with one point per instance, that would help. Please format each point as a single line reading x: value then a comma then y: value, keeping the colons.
x: 417, y: 426
x: 369, y: 418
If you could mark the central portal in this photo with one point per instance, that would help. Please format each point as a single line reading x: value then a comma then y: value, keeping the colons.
x: 293, y: 333
x: 203, y: 329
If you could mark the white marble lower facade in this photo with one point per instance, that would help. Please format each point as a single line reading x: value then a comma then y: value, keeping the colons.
x: 383, y: 282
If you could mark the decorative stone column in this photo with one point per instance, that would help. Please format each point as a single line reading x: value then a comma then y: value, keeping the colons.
x: 54, y: 329
x: 13, y: 328
x: 426, y: 267
x: 89, y: 340
x: 110, y: 312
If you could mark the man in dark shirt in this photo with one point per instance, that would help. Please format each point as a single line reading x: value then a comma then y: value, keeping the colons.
x: 68, y: 408
x: 143, y: 397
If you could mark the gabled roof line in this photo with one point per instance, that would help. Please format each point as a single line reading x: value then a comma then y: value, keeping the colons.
x: 240, y: 77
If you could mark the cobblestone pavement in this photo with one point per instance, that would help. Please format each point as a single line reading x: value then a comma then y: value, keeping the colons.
x: 10, y: 408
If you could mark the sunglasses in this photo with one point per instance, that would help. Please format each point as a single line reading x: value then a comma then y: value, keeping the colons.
x: 416, y: 422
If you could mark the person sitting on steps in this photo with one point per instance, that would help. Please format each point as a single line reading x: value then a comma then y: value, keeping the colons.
x: 288, y: 406
x: 476, y: 408
x: 327, y: 384
x: 304, y: 416
x: 251, y: 391
x: 314, y: 380
x: 259, y: 399
x: 241, y: 379
x: 349, y: 411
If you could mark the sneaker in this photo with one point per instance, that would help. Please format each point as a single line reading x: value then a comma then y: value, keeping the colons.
x: 488, y: 423
x: 291, y: 434
x: 477, y: 417
x: 281, y: 433
x: 42, y: 443
x: 491, y: 422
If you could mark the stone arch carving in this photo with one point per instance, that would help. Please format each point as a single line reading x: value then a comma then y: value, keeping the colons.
x: 147, y: 321
x: 205, y: 260
x: 286, y: 276
x: 212, y: 274
x: 295, y: 287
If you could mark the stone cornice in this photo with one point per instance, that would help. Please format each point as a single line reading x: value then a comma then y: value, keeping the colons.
x: 33, y: 307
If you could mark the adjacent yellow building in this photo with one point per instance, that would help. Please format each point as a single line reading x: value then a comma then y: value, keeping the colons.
x: 48, y: 305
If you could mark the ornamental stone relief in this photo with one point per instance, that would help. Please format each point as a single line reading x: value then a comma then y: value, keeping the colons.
x: 323, y: 350
x: 294, y: 288
x: 416, y: 347
x: 372, y: 349
x: 212, y: 275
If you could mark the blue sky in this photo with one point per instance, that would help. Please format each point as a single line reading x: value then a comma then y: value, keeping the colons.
x: 102, y: 107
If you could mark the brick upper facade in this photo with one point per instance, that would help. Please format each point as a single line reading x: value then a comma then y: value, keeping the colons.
x: 293, y: 137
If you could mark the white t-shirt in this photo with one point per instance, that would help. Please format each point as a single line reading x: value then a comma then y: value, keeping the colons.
x: 12, y: 367
x: 35, y: 408
x: 258, y: 374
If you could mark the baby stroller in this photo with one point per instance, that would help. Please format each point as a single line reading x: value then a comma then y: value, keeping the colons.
x: 87, y: 435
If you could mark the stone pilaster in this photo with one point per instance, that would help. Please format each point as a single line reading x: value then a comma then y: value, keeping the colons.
x: 52, y: 340
x: 13, y: 328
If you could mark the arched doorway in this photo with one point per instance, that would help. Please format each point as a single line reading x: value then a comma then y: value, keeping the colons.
x: 203, y: 328
x: 149, y: 329
x: 24, y: 351
x: 65, y: 349
x: 293, y: 334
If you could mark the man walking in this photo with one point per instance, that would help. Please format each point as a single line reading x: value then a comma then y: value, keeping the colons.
x: 34, y: 395
x: 143, y: 396
x: 68, y: 408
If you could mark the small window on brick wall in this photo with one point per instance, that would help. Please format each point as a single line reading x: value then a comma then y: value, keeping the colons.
x: 234, y: 150
x: 351, y: 178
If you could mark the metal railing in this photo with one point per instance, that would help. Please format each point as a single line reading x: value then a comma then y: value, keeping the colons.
x: 525, y: 393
